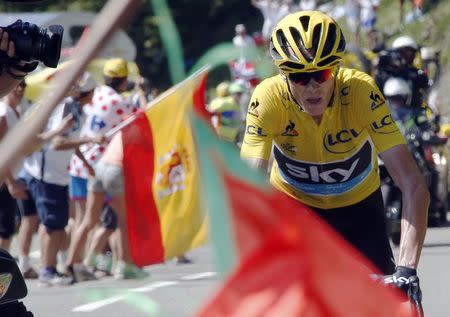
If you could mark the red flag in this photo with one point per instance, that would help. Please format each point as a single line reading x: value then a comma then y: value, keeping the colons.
x: 144, y: 234
x: 292, y: 264
x: 199, y: 100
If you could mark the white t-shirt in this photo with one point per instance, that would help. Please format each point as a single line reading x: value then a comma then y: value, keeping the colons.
x: 367, y: 11
x: 107, y: 110
x: 11, y: 120
x: 49, y: 165
x: 270, y: 12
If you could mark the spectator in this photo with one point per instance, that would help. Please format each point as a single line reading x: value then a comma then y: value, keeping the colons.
x: 307, y: 5
x: 369, y: 19
x: 108, y: 179
x: 243, y: 42
x: 29, y: 222
x: 272, y: 12
x: 47, y: 179
x: 12, y: 188
x: 107, y: 111
x: 416, y: 11
x: 353, y: 12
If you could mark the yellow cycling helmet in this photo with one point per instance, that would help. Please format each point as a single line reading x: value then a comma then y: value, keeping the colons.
x: 115, y: 68
x: 306, y: 41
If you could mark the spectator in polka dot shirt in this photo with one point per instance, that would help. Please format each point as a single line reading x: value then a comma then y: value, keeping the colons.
x: 107, y: 110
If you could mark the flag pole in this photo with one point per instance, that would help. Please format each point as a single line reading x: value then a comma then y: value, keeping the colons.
x: 149, y: 105
x: 17, y: 142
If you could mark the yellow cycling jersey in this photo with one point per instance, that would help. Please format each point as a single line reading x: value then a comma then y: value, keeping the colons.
x: 327, y: 165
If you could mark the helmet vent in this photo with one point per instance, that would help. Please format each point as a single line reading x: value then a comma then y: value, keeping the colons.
x: 300, y: 45
x: 273, y: 51
x: 330, y: 40
x: 287, y: 66
x: 281, y: 38
x: 341, y: 46
x: 316, y: 38
x: 304, y: 20
x: 328, y: 61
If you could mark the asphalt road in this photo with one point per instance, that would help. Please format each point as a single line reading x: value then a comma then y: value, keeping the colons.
x: 179, y: 290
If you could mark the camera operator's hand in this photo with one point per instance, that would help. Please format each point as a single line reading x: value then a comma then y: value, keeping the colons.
x: 17, y: 69
x: 401, y: 278
x: 6, y: 45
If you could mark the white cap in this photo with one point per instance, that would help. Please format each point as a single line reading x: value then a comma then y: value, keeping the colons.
x: 85, y: 83
x: 428, y: 53
x: 404, y: 41
x: 396, y: 86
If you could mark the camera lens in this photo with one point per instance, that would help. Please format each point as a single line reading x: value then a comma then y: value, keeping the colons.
x: 52, y: 46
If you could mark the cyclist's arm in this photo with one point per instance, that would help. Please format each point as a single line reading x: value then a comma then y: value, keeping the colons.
x: 415, y: 198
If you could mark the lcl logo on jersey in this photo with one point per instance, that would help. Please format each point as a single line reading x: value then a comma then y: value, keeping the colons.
x: 252, y: 108
x: 254, y: 130
x: 377, y: 101
x: 340, y: 142
x: 290, y: 130
x: 385, y: 125
x: 329, y: 178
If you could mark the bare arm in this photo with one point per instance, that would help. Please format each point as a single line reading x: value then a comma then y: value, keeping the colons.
x: 60, y: 143
x: 415, y: 198
x: 85, y: 162
x: 141, y: 93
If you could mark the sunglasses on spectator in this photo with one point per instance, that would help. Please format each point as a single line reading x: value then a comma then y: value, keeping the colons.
x: 319, y: 77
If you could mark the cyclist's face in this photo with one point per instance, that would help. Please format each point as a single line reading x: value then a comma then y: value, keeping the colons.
x: 313, y: 95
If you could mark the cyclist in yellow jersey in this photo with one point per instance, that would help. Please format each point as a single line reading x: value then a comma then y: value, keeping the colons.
x: 325, y: 126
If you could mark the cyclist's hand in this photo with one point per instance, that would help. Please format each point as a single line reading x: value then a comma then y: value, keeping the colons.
x: 401, y: 278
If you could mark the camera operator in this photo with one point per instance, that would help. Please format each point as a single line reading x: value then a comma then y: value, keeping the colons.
x: 399, y: 62
x: 22, y: 46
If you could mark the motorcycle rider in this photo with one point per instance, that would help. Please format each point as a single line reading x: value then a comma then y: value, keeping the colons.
x: 399, y: 97
x: 400, y: 62
x: 415, y: 120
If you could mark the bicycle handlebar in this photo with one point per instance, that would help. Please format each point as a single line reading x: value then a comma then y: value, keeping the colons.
x: 414, y: 293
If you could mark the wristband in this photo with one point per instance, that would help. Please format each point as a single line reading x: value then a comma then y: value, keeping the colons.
x: 404, y: 270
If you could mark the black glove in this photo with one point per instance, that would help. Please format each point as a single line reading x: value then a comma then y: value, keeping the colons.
x: 402, y: 278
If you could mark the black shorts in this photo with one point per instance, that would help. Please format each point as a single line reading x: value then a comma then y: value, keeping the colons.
x: 108, y: 218
x: 8, y: 210
x: 364, y: 226
x: 26, y: 206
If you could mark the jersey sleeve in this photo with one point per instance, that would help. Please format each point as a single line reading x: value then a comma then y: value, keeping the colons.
x: 372, y: 110
x: 261, y: 124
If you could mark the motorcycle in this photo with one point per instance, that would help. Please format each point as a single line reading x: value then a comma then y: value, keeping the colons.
x: 12, y: 288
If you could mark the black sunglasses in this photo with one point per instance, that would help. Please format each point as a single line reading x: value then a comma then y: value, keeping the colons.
x: 303, y: 78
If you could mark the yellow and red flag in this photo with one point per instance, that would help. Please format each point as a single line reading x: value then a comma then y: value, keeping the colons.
x: 165, y: 217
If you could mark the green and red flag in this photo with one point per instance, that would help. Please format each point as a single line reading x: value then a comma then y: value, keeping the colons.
x: 282, y: 260
x: 165, y: 217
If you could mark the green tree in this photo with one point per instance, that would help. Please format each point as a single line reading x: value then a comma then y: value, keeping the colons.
x: 200, y: 23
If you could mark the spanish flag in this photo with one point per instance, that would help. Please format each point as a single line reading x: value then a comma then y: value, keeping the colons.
x: 165, y: 217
